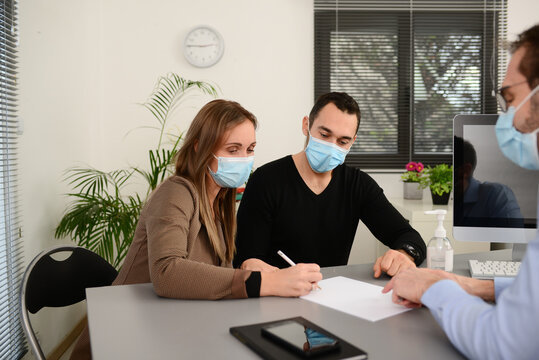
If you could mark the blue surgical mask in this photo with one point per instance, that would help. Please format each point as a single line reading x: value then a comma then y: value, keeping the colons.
x: 232, y: 172
x: 324, y: 156
x: 518, y: 147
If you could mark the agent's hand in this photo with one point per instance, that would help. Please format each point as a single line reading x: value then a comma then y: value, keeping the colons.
x: 410, y: 284
x: 293, y: 281
x: 257, y: 265
x: 482, y: 288
x: 392, y: 262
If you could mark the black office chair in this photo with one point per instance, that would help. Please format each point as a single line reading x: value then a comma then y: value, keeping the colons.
x: 51, y: 283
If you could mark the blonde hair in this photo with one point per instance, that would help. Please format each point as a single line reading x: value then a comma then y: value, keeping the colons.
x: 201, y: 141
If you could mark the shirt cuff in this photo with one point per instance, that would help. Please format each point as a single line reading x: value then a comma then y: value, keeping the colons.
x: 239, y: 290
x: 252, y: 284
x: 500, y: 284
x: 441, y: 291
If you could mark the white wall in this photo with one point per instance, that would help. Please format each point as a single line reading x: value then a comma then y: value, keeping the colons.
x: 86, y: 65
x: 521, y: 15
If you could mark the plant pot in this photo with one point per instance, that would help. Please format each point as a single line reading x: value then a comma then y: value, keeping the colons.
x: 412, y: 191
x: 239, y: 193
x: 440, y: 199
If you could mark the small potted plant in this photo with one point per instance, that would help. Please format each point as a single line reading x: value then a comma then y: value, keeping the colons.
x: 440, y: 183
x: 413, y: 181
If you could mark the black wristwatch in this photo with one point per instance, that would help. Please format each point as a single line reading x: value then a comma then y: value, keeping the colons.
x: 410, y: 250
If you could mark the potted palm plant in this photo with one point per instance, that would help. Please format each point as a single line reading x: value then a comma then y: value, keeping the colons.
x: 102, y: 216
x: 440, y: 183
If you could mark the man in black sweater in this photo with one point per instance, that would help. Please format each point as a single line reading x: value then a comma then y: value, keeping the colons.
x: 309, y: 204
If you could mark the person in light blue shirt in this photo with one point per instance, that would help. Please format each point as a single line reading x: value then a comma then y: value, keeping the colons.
x: 491, y: 200
x: 481, y: 199
x: 497, y: 319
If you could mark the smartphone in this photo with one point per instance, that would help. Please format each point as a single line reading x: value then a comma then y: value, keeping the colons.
x: 300, y: 338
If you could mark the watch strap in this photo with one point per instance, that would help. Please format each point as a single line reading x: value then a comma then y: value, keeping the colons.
x: 412, y: 251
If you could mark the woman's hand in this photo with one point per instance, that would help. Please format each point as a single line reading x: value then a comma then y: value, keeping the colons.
x: 257, y: 265
x: 290, y: 282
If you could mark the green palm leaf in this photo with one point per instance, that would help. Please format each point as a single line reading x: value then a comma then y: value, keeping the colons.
x: 100, y: 216
x: 168, y: 93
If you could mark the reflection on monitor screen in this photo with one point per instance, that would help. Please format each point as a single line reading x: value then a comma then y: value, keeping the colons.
x: 495, y: 200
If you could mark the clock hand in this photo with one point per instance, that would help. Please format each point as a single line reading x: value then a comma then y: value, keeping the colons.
x: 202, y: 45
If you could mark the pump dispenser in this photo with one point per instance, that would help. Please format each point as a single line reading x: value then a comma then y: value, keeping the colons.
x: 439, y: 249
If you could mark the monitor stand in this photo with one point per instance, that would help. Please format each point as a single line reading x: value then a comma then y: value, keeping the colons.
x: 518, y: 251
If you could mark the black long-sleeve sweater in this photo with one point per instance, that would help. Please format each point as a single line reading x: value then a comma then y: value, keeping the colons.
x: 278, y: 211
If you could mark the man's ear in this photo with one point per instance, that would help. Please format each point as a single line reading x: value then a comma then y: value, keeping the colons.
x: 353, y: 141
x: 305, y: 125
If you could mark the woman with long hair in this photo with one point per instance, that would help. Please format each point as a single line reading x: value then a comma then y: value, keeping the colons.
x: 184, y: 240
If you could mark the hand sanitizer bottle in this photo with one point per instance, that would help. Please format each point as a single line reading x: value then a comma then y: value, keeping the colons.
x: 439, y: 249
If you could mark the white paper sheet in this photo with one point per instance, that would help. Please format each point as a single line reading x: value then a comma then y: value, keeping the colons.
x: 356, y: 298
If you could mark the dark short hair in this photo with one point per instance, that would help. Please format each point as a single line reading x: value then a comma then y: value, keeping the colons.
x: 529, y: 66
x: 341, y: 100
x: 464, y: 153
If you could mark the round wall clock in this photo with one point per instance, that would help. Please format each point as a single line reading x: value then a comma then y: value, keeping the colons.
x: 203, y: 46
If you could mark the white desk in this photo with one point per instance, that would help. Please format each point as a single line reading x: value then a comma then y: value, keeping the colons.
x: 131, y: 322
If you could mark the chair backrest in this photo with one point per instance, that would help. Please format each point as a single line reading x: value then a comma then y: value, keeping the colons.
x: 52, y: 283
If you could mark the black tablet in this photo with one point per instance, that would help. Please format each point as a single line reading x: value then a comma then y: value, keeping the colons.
x: 295, y: 338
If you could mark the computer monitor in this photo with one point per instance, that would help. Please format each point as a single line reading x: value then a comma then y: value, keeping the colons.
x: 495, y: 200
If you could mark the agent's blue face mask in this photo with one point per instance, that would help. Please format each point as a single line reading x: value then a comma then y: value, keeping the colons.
x: 518, y: 147
x: 232, y: 172
x: 324, y: 156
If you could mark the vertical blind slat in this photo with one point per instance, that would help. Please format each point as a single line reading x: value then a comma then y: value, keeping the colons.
x: 12, y: 340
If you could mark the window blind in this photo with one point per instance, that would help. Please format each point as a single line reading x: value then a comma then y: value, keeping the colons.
x: 411, y: 66
x: 11, y: 335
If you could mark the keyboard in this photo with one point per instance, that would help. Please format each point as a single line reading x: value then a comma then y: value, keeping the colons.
x: 493, y: 268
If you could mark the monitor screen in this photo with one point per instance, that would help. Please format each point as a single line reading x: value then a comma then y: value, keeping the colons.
x: 495, y: 200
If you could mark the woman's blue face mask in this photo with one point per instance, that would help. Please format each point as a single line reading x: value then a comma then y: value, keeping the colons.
x: 518, y: 147
x: 232, y: 172
x: 324, y: 156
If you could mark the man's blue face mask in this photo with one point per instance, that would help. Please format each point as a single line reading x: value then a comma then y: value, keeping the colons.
x: 232, y: 172
x: 324, y: 156
x: 518, y: 147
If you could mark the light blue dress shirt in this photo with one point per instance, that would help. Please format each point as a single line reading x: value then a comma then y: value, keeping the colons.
x: 508, y: 329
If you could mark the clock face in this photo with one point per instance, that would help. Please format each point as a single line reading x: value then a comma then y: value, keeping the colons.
x: 203, y: 46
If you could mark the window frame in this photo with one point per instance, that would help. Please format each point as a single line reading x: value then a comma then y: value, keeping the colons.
x: 326, y: 22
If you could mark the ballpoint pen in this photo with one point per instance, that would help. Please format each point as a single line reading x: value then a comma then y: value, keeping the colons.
x: 291, y: 263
